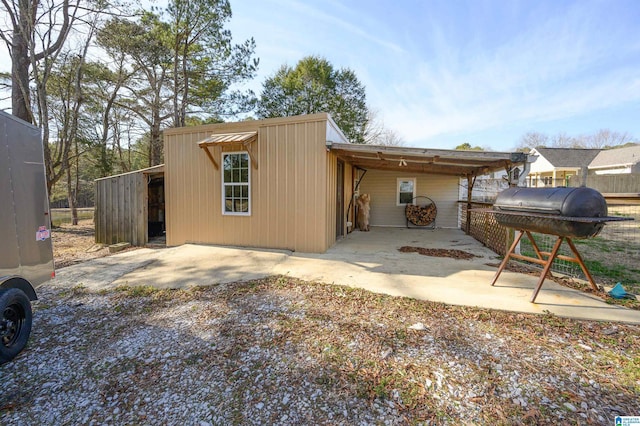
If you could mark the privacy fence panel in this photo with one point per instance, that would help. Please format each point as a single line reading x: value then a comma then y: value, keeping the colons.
x: 609, y: 184
x: 121, y: 209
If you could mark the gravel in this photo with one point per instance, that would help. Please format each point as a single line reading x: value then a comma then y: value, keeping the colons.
x: 282, y: 351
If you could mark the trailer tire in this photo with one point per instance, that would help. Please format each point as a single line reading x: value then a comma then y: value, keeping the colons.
x: 15, y: 323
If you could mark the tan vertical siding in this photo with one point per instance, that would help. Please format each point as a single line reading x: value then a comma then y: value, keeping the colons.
x: 288, y: 205
x: 381, y: 185
x: 121, y: 209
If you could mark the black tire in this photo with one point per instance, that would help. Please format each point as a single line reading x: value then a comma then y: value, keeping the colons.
x: 15, y: 323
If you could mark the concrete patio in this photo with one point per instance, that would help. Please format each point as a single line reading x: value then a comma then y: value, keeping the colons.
x: 368, y: 260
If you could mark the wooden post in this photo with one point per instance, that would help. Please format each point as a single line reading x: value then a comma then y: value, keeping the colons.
x: 506, y: 257
x: 547, y: 268
x: 209, y: 155
x: 580, y: 262
x: 470, y: 182
x: 545, y: 259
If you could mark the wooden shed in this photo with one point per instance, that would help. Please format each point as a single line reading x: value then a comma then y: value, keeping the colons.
x: 130, y: 207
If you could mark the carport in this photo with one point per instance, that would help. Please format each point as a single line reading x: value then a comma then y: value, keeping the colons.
x: 434, y: 174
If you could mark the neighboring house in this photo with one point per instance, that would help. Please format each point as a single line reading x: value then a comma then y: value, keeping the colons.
x: 555, y: 166
x: 286, y: 183
x: 616, y: 161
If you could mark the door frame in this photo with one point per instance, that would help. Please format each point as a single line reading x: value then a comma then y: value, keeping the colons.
x: 340, y: 199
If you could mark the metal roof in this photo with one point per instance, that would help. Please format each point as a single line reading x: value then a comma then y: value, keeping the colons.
x: 245, y: 138
x: 421, y: 160
x: 222, y: 138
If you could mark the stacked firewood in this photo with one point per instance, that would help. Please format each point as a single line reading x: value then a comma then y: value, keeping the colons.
x: 421, y: 215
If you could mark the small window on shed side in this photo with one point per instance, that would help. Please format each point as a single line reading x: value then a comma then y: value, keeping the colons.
x: 406, y: 191
x: 236, y: 184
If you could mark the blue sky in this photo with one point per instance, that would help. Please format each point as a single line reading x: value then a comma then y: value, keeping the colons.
x: 441, y: 73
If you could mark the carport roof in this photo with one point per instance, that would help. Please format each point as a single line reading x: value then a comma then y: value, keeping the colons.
x: 424, y: 160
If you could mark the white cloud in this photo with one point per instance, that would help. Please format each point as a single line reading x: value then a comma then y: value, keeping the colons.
x: 552, y: 71
x: 334, y: 20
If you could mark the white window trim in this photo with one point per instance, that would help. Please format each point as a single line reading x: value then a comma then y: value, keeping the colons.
x: 398, y: 203
x: 222, y: 183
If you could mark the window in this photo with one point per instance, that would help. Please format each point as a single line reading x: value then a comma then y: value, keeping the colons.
x: 406, y: 191
x: 236, y: 184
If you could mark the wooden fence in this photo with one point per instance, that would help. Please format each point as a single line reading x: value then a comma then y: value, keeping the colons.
x: 121, y: 209
x: 608, y: 184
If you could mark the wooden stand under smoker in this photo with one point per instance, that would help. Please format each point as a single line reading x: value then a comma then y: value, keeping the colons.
x: 545, y: 259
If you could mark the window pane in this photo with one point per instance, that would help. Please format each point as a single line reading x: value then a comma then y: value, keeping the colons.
x: 240, y: 206
x: 406, y: 186
x: 235, y: 177
x: 406, y: 197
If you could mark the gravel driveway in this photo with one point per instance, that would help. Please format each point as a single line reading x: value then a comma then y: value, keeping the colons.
x: 283, y: 351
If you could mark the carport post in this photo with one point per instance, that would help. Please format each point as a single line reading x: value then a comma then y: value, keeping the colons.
x: 471, y: 180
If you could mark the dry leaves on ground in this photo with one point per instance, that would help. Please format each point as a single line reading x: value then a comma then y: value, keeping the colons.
x: 285, y: 351
x: 435, y: 252
x: 76, y: 243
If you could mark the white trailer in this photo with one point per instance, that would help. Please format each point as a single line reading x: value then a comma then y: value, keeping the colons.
x: 26, y: 254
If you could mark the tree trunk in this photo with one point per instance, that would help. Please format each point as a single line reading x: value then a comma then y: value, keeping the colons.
x: 71, y: 196
x: 20, y: 61
x: 155, y: 143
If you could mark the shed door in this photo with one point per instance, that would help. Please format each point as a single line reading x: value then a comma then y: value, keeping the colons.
x: 340, y: 200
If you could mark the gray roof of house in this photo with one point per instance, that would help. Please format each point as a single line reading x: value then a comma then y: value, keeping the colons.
x: 568, y: 157
x: 617, y: 157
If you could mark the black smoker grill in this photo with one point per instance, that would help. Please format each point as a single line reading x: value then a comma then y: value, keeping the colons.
x: 566, y: 213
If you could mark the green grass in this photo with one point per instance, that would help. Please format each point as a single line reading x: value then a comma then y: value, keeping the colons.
x: 138, y: 291
x: 60, y: 216
x: 603, y: 244
x: 608, y: 261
